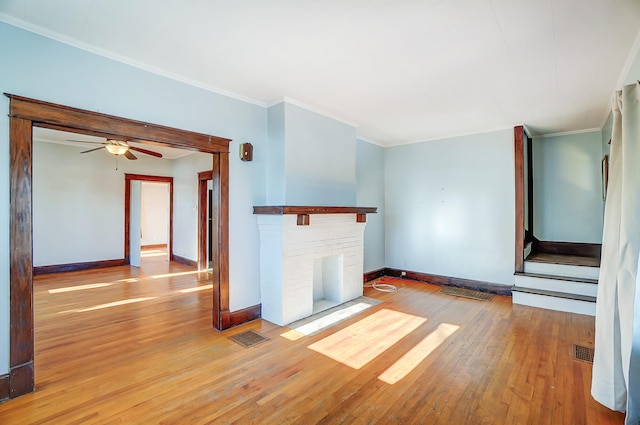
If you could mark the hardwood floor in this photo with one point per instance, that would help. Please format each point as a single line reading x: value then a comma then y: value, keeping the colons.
x: 133, y: 346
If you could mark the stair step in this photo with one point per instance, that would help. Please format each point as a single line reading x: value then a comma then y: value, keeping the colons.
x: 554, y: 300
x: 558, y: 284
x: 571, y: 270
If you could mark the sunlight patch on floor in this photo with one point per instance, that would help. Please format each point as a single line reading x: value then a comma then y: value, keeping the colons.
x: 324, y: 322
x: 196, y: 288
x: 108, y: 305
x: 153, y: 254
x: 129, y: 280
x: 417, y: 354
x: 79, y: 288
x: 162, y: 276
x: 358, y: 344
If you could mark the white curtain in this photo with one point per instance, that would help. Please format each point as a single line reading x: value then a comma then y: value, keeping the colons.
x: 619, y: 266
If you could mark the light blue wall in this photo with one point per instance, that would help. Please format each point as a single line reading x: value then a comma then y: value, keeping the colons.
x: 41, y: 68
x: 370, y: 178
x: 275, y: 153
x: 567, y: 188
x: 449, y: 207
x: 320, y: 157
x: 311, y: 158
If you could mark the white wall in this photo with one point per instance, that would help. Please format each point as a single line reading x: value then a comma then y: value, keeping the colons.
x: 567, y: 188
x: 154, y: 213
x: 78, y: 200
x: 40, y: 68
x: 370, y: 179
x: 449, y: 207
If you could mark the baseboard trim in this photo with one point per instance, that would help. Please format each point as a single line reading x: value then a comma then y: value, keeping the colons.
x: 569, y: 248
x: 245, y: 315
x: 185, y: 261
x: 21, y: 380
x: 375, y: 274
x: 476, y: 285
x: 4, y: 388
x: 73, y: 267
x: 230, y: 319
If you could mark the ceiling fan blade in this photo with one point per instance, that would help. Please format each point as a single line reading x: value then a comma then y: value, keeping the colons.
x: 86, y: 141
x: 130, y: 154
x: 148, y: 152
x: 94, y: 149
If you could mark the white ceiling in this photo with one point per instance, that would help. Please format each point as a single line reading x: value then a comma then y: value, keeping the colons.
x: 401, y: 71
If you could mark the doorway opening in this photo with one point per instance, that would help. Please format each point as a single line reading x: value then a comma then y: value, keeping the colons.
x: 24, y: 114
x: 206, y: 223
x: 134, y: 215
x: 155, y: 213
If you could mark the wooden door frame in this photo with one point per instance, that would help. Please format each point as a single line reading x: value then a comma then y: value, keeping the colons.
x: 128, y: 178
x: 518, y: 153
x: 24, y: 114
x: 203, y: 177
x: 522, y: 141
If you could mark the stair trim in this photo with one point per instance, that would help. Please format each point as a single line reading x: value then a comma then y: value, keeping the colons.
x: 533, y: 260
x: 555, y: 294
x: 555, y: 277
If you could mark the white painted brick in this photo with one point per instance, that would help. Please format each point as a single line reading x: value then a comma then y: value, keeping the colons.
x: 287, y: 255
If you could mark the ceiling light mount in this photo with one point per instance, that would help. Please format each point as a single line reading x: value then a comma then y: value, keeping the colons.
x: 116, y: 147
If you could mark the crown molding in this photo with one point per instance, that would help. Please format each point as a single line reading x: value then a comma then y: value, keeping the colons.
x: 18, y: 23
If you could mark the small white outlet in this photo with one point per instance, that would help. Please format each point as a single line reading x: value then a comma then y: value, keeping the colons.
x: 403, y: 273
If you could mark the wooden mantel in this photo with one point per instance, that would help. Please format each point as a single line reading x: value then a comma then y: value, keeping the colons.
x: 303, y: 212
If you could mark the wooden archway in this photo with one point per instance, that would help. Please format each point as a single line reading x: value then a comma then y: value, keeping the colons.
x: 24, y: 114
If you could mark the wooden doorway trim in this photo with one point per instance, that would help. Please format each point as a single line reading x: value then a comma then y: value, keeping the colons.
x: 24, y: 113
x: 518, y: 153
x: 203, y: 177
x: 127, y: 210
x: 524, y: 232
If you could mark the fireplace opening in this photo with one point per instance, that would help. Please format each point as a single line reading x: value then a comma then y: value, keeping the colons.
x: 327, y: 282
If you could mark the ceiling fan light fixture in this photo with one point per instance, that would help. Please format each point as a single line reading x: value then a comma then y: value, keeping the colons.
x: 116, y: 148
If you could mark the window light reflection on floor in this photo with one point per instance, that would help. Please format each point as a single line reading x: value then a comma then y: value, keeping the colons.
x: 128, y: 280
x: 153, y: 254
x: 358, y: 344
x: 417, y: 354
x: 79, y: 288
x: 162, y: 276
x: 196, y: 288
x: 108, y: 305
x: 324, y: 322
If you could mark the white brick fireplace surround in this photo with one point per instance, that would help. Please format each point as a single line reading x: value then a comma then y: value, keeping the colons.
x: 311, y: 259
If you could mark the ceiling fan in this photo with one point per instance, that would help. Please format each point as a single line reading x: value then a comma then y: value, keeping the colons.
x: 119, y: 147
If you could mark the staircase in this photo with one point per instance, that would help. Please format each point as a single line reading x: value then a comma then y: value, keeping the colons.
x: 563, y: 287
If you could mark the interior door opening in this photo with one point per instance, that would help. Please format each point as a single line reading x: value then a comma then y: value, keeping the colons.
x: 154, y: 218
x: 209, y: 225
x: 206, y: 221
x: 142, y: 227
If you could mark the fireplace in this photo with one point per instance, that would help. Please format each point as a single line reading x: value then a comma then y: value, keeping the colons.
x: 311, y: 259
